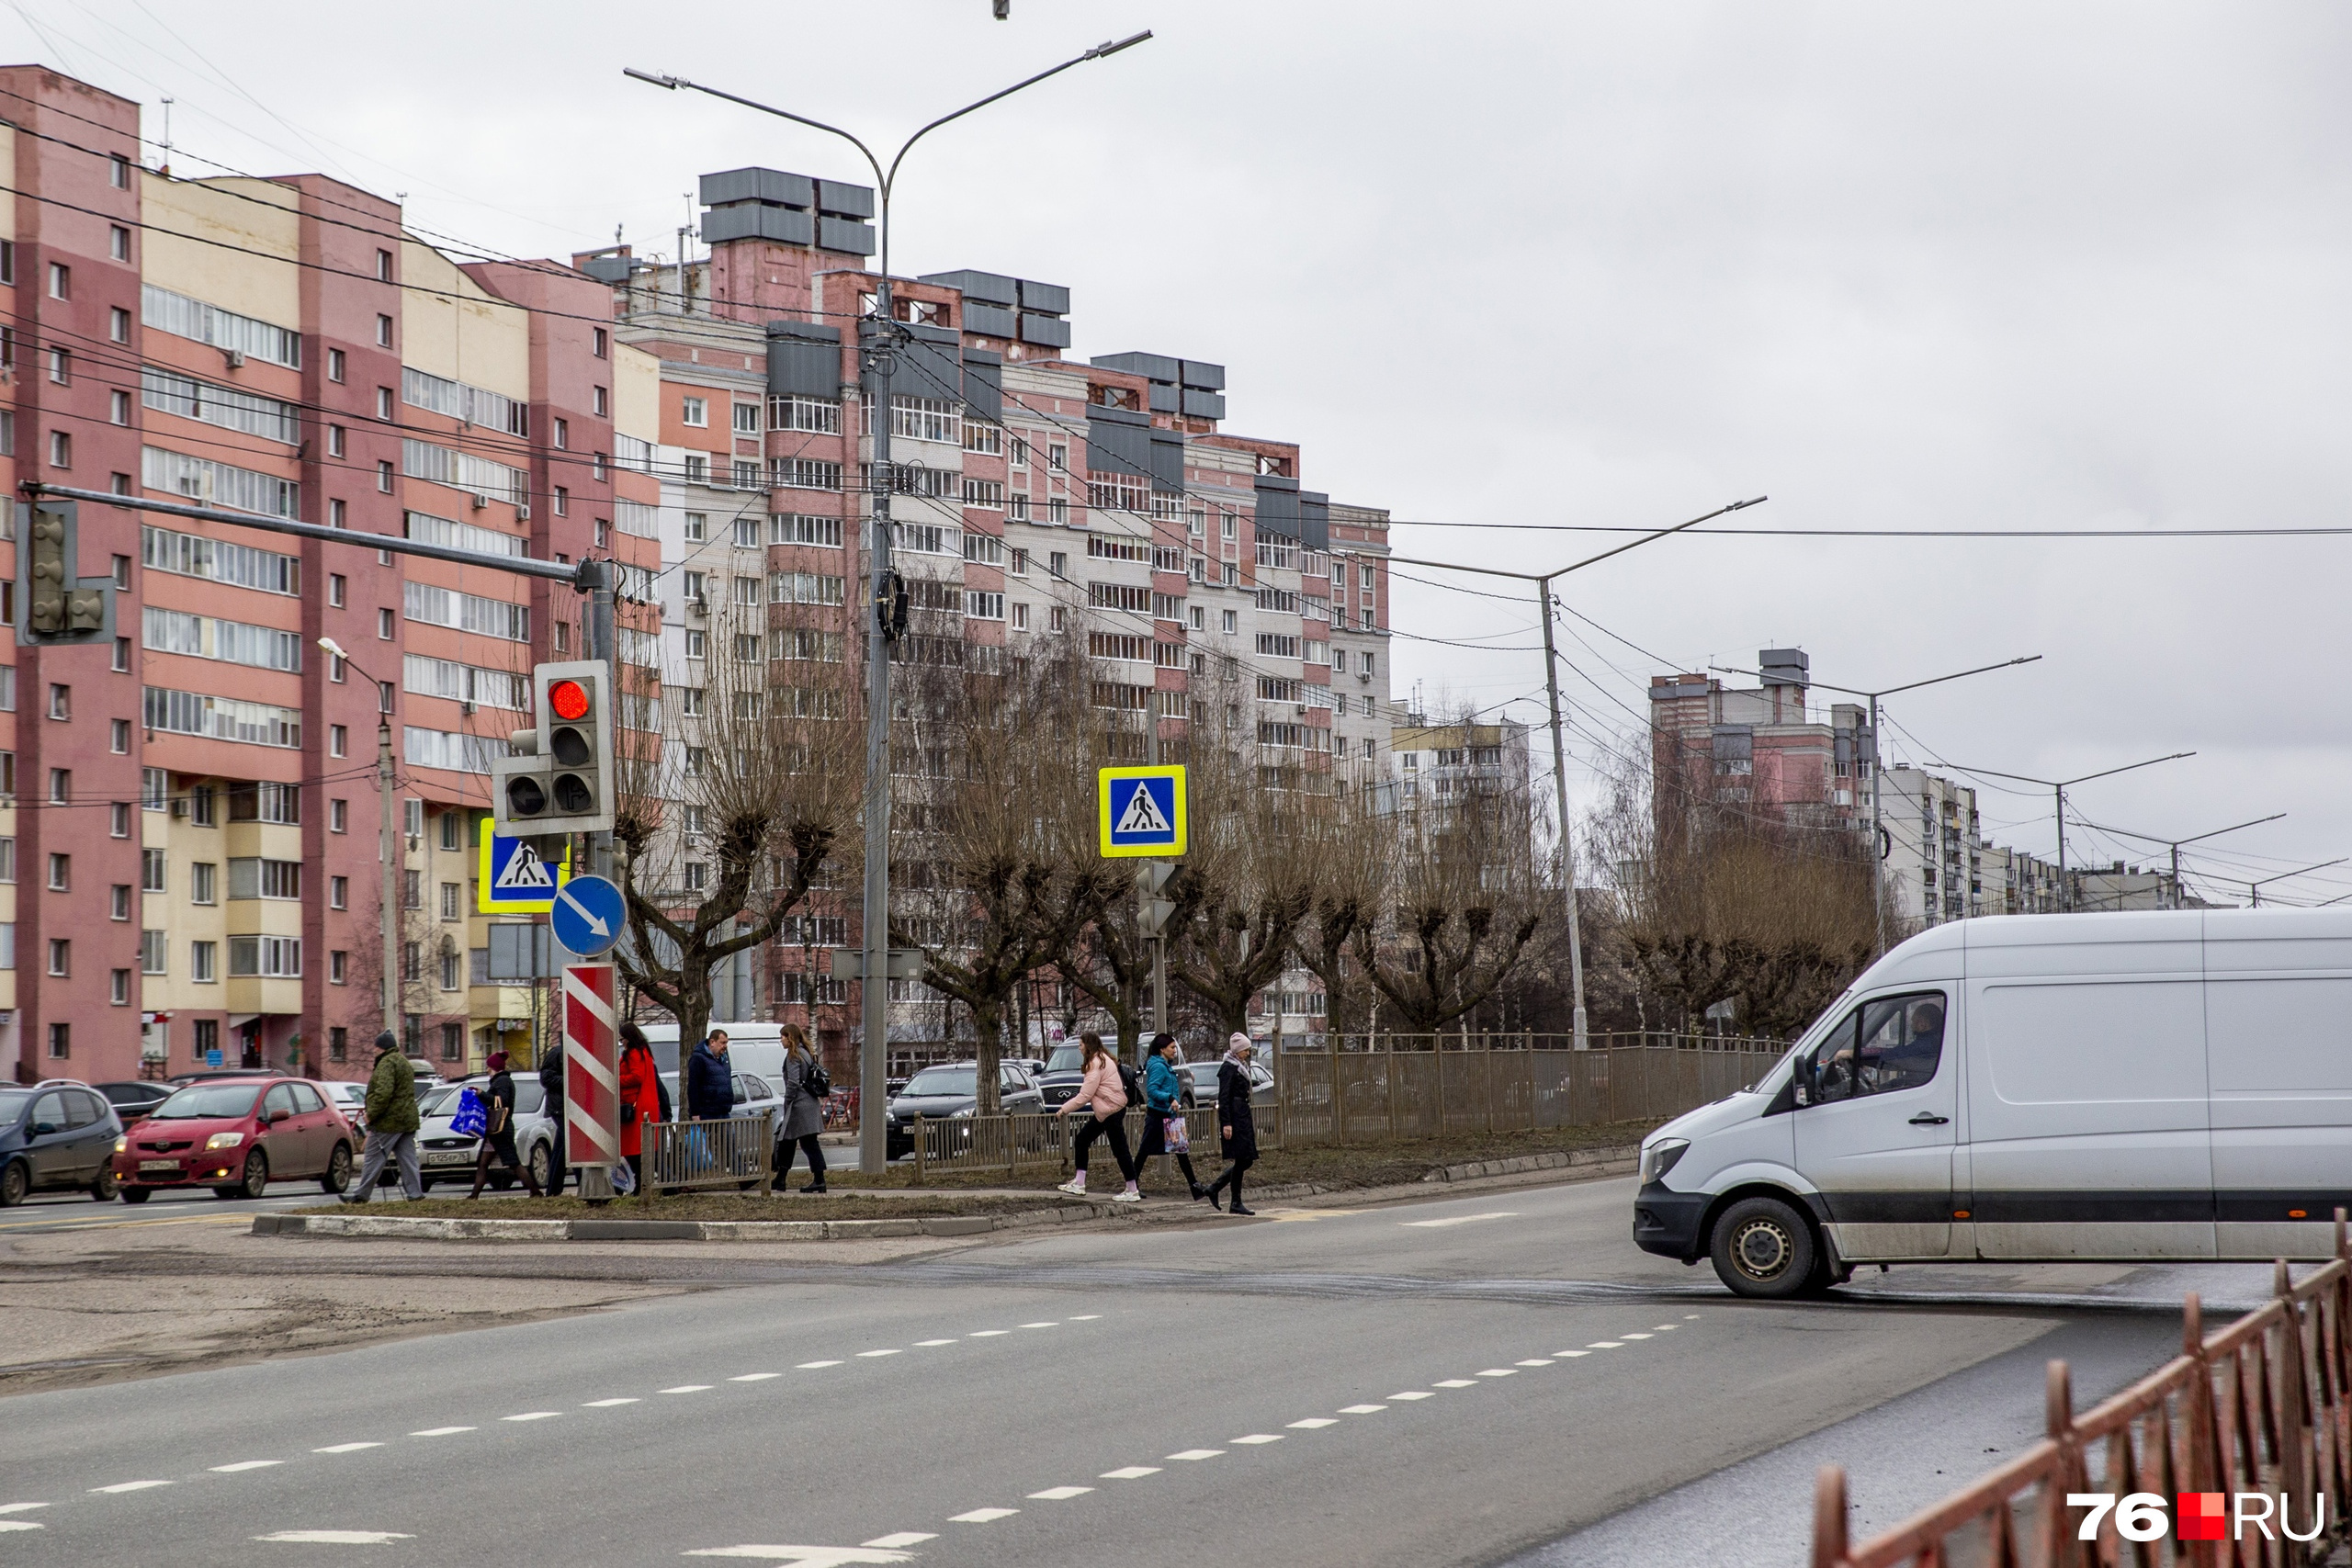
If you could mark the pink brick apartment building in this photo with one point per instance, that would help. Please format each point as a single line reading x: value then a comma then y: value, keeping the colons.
x: 1758, y: 750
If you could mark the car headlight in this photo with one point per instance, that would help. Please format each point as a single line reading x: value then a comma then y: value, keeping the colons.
x: 122, y: 1145
x: 968, y: 1111
x: 225, y: 1140
x: 1658, y: 1157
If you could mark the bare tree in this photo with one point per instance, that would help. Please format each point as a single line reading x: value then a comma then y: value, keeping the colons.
x: 756, y: 796
x: 1349, y: 849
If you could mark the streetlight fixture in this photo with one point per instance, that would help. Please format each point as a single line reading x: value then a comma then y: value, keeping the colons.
x: 2253, y: 889
x: 1878, y: 833
x: 878, y: 339
x: 1543, y: 581
x: 385, y: 786
x: 2173, y: 844
x: 2065, y: 889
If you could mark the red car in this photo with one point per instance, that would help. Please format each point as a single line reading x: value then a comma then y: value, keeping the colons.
x: 236, y: 1135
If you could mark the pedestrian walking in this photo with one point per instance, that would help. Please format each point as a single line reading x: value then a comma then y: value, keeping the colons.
x: 498, y: 1129
x: 1102, y: 1094
x: 1164, y: 1131
x: 710, y: 1080
x: 392, y: 1122
x: 1240, y: 1129
x: 551, y: 1091
x: 804, y: 1108
x: 640, y: 1086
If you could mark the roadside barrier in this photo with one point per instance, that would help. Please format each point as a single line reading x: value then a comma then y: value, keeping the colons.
x: 2236, y: 1454
x: 737, y: 1152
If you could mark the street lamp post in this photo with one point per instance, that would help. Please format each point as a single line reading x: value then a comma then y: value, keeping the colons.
x: 878, y: 341
x: 2060, y: 788
x: 1543, y: 581
x: 1878, y: 833
x: 2173, y: 844
x: 2253, y: 889
x: 384, y: 789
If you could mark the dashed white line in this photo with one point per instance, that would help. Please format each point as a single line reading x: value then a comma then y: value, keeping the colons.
x: 1663, y: 1327
x: 1190, y: 1455
x: 533, y: 1416
x: 1606, y: 1344
x: 1538, y: 1361
x: 901, y: 1538
x: 1419, y: 1393
x: 1060, y: 1494
x: 606, y: 1404
x: 1312, y: 1422
x: 755, y: 1377
x: 1637, y: 1336
x: 244, y: 1464
x: 1054, y: 1324
x: 440, y: 1431
x: 927, y: 1344
x: 130, y: 1486
x: 869, y: 1354
x: 21, y: 1525
x: 20, y: 1508
x: 988, y: 1332
x: 1459, y: 1219
x: 1255, y: 1437
x: 1458, y: 1382
x: 812, y: 1366
x: 338, y: 1538
x: 1569, y: 1355
x: 1088, y: 1317
x: 689, y: 1388
x: 982, y: 1516
x: 1499, y: 1372
x: 1130, y: 1472
x: 1361, y: 1409
x: 346, y: 1448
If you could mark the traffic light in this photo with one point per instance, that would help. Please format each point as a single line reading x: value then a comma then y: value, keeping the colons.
x: 60, y: 606
x: 559, y: 779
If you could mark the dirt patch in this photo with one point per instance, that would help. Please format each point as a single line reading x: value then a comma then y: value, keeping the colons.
x: 710, y: 1206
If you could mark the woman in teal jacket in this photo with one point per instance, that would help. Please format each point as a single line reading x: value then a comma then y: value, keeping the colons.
x: 1161, y: 1090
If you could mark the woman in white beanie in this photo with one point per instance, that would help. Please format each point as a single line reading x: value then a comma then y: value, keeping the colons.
x: 1240, y: 1133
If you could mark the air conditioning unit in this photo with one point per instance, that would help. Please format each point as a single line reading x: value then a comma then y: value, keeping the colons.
x: 179, y: 808
x: 481, y: 501
x: 522, y: 511
x: 236, y: 356
x: 467, y: 709
x: 697, y: 606
x: 1365, y: 677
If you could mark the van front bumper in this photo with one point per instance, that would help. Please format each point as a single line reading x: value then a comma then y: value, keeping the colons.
x: 1667, y: 1223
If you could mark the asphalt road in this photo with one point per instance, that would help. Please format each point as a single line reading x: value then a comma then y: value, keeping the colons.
x: 1465, y: 1381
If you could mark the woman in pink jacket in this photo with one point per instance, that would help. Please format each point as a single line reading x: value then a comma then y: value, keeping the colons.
x: 1106, y: 1096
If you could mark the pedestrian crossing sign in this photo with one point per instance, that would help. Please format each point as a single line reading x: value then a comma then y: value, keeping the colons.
x: 1142, y: 811
x: 514, y: 879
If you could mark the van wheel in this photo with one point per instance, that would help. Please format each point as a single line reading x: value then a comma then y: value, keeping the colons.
x: 1762, y: 1248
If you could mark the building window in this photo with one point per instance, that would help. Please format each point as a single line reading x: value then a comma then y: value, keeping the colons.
x: 384, y: 476
x: 383, y: 266
x: 60, y: 449
x: 452, y: 893
x: 562, y: 434
x: 203, y: 959
x: 1227, y: 622
x: 448, y: 965
x: 60, y: 956
x: 697, y: 526
x: 562, y: 498
x: 117, y: 242
x: 118, y: 901
x: 61, y: 1041
x: 338, y: 974
x: 338, y: 589
x: 1020, y: 617
x: 118, y: 325
x: 1055, y: 619
x: 335, y: 441
x: 118, y: 986
x: 119, y: 819
x: 338, y: 740
x: 119, y: 171
x: 383, y: 331
x: 204, y: 881
x: 384, y: 626
x: 119, y: 407
x: 338, y: 816
x: 453, y: 1042
x: 61, y: 873
x: 384, y: 403
x: 338, y: 1037
x: 118, y: 737
x: 452, y: 831
x: 61, y: 281
x: 153, y: 947
x: 266, y: 957
x: 694, y: 412
x: 151, y: 871
x: 335, y: 365
x: 412, y: 889
x: 339, y: 893
x: 597, y: 347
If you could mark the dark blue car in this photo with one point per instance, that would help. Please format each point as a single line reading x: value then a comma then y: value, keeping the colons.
x: 56, y: 1136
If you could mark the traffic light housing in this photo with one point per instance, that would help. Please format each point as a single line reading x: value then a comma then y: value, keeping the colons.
x: 561, y: 778
x: 56, y: 603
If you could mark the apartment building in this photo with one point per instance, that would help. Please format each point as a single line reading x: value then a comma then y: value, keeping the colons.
x: 1759, y: 749
x: 197, y: 802
x: 1435, y: 763
x: 1935, y: 849
x: 1037, y: 493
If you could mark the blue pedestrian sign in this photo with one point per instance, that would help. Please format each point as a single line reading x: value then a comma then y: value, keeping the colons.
x: 1142, y: 811
x: 514, y: 880
x: 588, y: 915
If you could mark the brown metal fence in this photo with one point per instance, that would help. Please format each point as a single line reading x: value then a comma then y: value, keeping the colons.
x: 737, y: 1152
x: 2259, y: 1407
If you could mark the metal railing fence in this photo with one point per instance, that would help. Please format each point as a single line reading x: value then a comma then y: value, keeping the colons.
x: 2259, y: 1407
x: 737, y: 1152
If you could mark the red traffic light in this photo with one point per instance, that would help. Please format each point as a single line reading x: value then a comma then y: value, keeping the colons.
x: 568, y: 700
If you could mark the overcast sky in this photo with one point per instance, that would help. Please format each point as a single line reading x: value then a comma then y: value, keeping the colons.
x: 1914, y: 267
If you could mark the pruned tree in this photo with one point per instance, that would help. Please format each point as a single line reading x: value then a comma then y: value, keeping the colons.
x: 721, y: 834
x: 1349, y: 851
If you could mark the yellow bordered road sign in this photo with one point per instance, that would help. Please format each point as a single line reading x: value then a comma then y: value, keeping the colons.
x: 1141, y: 811
x: 513, y: 879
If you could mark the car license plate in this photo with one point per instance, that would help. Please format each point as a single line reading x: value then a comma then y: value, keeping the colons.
x: 450, y: 1156
x: 146, y: 1165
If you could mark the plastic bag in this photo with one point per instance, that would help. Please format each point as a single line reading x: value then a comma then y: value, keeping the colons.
x: 624, y: 1179
x: 1180, y: 1134
x: 472, y: 1119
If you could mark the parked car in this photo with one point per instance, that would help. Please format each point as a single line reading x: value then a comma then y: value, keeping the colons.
x: 56, y: 1135
x: 1201, y: 1079
x: 132, y: 1098
x: 350, y: 1096
x: 236, y: 1135
x: 181, y: 1080
x: 952, y: 1090
x: 443, y: 1155
x: 1064, y: 1072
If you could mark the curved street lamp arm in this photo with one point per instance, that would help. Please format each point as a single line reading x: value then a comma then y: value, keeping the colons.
x: 1097, y: 52
x: 675, y: 83
x: 1646, y: 538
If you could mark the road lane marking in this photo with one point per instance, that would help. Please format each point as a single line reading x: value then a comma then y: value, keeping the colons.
x: 1192, y: 1454
x: 689, y: 1388
x: 605, y: 1403
x: 346, y: 1448
x: 243, y: 1464
x: 1606, y: 1344
x: 1088, y: 1317
x: 533, y: 1416
x: 1416, y: 1394
x: 1312, y: 1422
x: 988, y: 1332
x: 1255, y: 1437
x: 927, y: 1344
x: 1690, y: 1316
x: 1129, y: 1472
x: 440, y: 1431
x: 812, y: 1366
x: 1459, y: 1219
x: 1665, y: 1328
x: 1458, y: 1382
x: 755, y: 1377
x: 902, y: 1537
x: 982, y: 1516
x: 1061, y: 1494
x: 21, y: 1525
x: 1569, y: 1355
x: 1499, y: 1372
x: 1361, y: 1409
x: 1637, y: 1336
x: 338, y: 1538
x: 1056, y: 1324
x: 869, y: 1354
x: 1538, y: 1361
x: 130, y: 1486
x: 812, y: 1556
x: 20, y: 1508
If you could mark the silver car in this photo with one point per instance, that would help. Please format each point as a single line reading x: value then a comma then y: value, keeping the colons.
x: 446, y: 1155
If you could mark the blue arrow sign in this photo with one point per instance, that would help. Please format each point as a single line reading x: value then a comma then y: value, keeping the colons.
x: 588, y: 915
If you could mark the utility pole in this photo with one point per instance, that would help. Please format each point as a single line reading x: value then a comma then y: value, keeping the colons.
x: 2173, y: 844
x: 878, y: 339
x: 2060, y: 788
x: 393, y: 863
x: 2253, y: 889
x: 1559, y: 751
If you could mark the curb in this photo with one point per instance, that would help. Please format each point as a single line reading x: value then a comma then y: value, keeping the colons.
x: 1615, y: 1160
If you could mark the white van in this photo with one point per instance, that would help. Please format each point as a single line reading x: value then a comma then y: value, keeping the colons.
x: 2124, y: 1088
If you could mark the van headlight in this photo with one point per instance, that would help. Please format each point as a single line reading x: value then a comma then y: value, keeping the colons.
x: 1658, y: 1157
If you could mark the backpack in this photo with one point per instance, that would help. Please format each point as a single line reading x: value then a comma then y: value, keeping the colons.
x: 1133, y: 1087
x: 815, y: 1080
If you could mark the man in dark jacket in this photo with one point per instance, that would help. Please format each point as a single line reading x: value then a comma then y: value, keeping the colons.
x: 392, y: 1122
x: 710, y: 1080
x: 552, y: 1087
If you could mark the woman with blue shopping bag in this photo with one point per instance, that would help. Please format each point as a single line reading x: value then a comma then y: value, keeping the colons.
x: 490, y: 1118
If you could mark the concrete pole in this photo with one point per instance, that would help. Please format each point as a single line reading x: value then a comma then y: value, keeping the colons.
x: 873, y: 1060
x: 1568, y: 840
x: 394, y: 864
x: 1878, y: 854
x: 2065, y: 889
